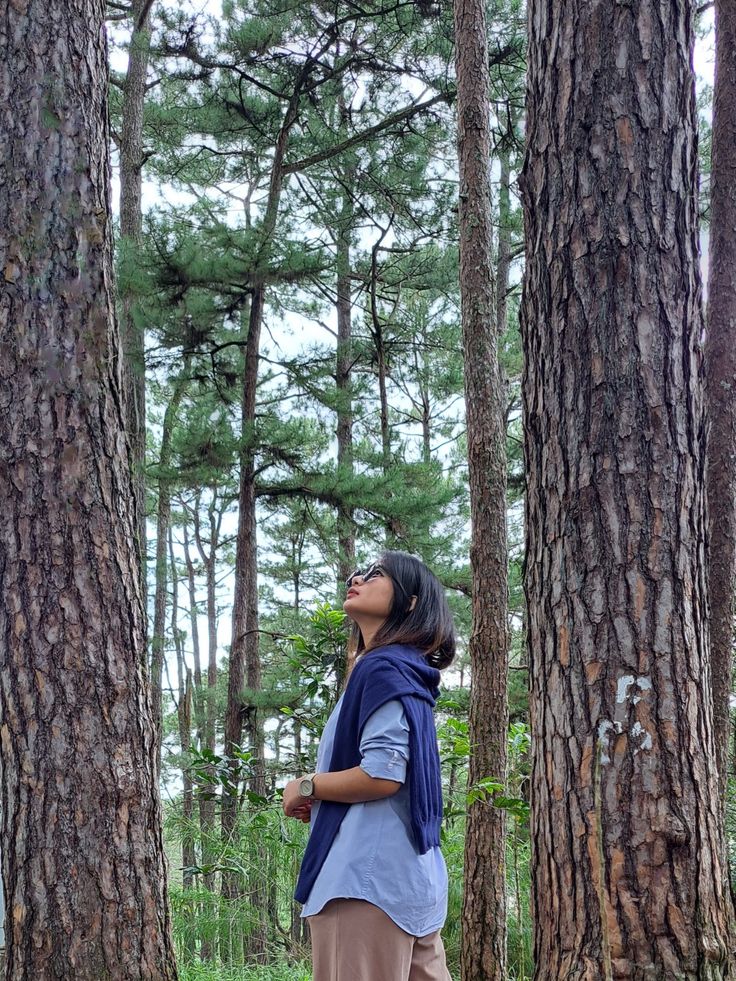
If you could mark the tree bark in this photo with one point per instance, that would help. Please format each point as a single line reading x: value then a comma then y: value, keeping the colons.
x: 82, y: 849
x: 629, y: 877
x: 720, y: 361
x: 483, y: 953
x: 131, y: 223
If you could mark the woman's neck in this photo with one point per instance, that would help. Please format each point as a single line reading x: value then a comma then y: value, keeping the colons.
x: 368, y: 630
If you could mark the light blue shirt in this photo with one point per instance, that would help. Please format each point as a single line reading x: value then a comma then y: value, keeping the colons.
x: 373, y: 856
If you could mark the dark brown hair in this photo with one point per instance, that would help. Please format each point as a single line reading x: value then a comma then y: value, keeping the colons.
x: 428, y: 626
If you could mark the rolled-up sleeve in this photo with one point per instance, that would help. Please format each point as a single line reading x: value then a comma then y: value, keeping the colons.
x: 384, y: 743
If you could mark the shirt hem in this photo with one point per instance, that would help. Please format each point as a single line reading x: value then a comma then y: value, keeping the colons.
x: 425, y: 931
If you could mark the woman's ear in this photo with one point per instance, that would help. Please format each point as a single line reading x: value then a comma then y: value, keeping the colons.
x: 412, y: 604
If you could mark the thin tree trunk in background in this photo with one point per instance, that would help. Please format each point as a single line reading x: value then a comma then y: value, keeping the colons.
x: 131, y: 223
x: 343, y: 371
x: 244, y: 650
x: 483, y: 954
x: 245, y: 662
x: 394, y: 532
x: 184, y: 719
x: 207, y: 806
x: 296, y: 921
x: 297, y: 566
x: 194, y: 628
x: 380, y: 347
x: 344, y: 365
x: 451, y: 788
x: 85, y: 884
x: 503, y: 258
x: 423, y: 376
x: 720, y: 361
x: 158, y: 640
x: 204, y: 807
x: 629, y: 874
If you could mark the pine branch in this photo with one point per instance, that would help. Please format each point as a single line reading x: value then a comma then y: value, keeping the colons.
x: 366, y: 134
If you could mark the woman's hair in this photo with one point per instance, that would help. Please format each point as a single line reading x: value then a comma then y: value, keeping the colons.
x: 428, y: 626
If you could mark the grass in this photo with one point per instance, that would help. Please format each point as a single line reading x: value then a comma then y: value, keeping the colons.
x: 276, y: 972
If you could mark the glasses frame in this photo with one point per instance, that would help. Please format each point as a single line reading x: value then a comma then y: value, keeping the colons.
x: 370, y: 573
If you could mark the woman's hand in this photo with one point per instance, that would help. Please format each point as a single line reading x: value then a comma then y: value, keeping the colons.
x: 294, y: 804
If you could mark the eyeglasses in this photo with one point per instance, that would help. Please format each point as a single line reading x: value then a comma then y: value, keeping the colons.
x: 372, y: 572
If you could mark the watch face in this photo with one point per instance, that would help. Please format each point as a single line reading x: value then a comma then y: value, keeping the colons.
x: 306, y: 787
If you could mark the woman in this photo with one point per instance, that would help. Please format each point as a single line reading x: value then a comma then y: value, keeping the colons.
x: 373, y: 880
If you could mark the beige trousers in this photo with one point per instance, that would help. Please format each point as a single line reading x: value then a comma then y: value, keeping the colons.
x: 352, y: 940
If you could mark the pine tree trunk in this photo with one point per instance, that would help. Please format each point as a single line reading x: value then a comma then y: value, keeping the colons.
x: 343, y: 372
x: 381, y: 367
x: 82, y: 850
x: 131, y: 222
x: 483, y: 954
x: 244, y: 651
x: 207, y: 805
x: 296, y: 921
x: 720, y: 360
x: 244, y: 666
x: 184, y: 719
x: 194, y: 627
x: 393, y: 528
x: 162, y: 563
x: 344, y: 363
x: 503, y: 259
x: 629, y: 877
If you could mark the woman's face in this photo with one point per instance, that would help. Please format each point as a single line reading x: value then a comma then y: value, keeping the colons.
x: 370, y: 596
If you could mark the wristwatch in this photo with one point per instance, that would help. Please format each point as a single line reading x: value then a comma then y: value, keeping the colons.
x: 306, y: 786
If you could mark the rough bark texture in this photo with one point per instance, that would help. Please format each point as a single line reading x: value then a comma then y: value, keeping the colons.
x: 131, y: 223
x: 483, y: 953
x: 629, y: 879
x: 720, y: 359
x: 82, y: 851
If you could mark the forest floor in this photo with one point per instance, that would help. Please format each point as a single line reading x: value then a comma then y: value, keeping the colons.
x: 266, y: 973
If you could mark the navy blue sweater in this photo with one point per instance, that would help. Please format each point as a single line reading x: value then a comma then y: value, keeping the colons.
x: 393, y: 672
